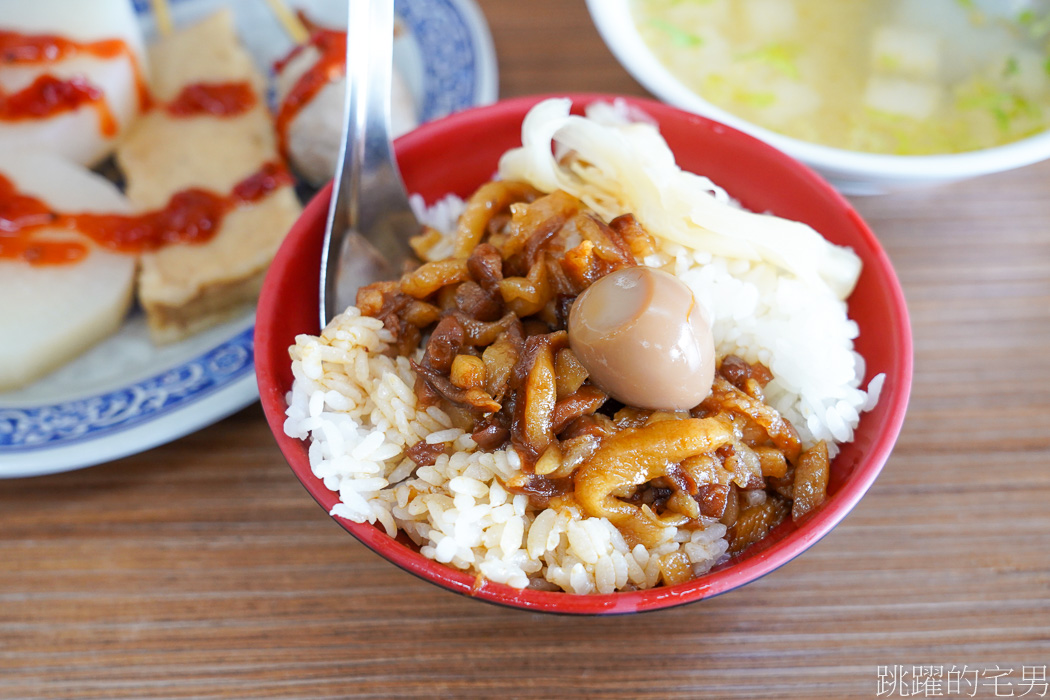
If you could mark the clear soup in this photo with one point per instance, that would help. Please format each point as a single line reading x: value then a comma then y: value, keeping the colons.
x: 907, y: 77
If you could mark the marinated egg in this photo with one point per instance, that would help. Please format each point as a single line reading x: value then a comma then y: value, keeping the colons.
x: 644, y: 340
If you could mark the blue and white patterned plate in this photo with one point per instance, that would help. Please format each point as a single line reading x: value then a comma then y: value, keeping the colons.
x: 127, y: 395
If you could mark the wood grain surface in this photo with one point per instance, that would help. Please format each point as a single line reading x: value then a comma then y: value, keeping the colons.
x: 203, y: 569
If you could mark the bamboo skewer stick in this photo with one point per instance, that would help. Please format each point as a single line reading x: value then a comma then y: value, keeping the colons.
x: 162, y: 15
x: 295, y: 28
x: 297, y: 31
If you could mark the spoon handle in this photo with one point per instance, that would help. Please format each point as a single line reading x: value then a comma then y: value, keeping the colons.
x: 366, y: 164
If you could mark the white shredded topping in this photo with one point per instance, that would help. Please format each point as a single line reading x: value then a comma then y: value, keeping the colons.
x: 627, y: 166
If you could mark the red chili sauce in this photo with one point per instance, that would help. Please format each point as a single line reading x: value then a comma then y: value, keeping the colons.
x: 191, y: 216
x: 213, y: 99
x: 48, y: 96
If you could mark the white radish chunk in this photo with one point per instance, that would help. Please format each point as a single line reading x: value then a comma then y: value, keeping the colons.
x: 78, y: 135
x: 314, y: 133
x: 902, y: 97
x: 771, y: 20
x: 906, y: 51
x: 52, y: 313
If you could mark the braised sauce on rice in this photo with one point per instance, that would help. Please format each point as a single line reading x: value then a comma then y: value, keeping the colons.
x: 491, y: 321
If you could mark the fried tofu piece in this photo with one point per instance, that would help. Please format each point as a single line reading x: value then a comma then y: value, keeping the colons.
x: 205, y: 52
x: 186, y: 288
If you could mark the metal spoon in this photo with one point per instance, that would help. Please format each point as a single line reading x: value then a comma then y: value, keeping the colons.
x: 369, y: 218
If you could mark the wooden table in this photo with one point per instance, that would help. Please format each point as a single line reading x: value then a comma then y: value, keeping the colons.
x: 203, y: 569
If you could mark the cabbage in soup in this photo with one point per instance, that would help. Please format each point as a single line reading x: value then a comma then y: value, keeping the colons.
x: 885, y: 76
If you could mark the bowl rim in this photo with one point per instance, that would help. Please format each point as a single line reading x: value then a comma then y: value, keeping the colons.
x: 613, y: 20
x: 307, y: 233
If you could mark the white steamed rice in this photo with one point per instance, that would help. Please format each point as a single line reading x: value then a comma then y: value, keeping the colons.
x: 357, y: 408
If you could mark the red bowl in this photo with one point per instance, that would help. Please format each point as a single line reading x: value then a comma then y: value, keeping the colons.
x: 460, y: 152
